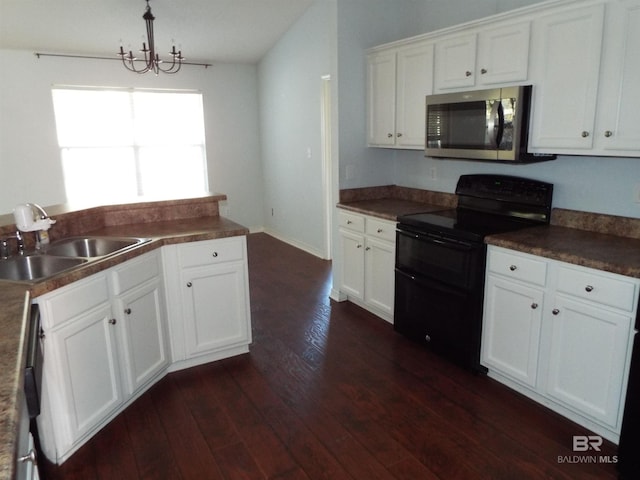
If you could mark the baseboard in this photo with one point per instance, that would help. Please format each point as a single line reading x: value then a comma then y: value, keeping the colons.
x: 294, y: 243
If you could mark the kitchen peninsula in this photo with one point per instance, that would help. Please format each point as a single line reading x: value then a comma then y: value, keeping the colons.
x: 166, y: 223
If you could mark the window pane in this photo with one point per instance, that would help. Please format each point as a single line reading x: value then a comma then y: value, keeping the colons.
x: 93, y: 118
x: 99, y: 174
x: 172, y: 171
x: 168, y: 118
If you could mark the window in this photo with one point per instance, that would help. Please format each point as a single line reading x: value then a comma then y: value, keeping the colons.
x: 117, y: 145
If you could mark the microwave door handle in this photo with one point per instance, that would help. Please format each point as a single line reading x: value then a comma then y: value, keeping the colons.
x: 493, y: 124
x: 500, y: 130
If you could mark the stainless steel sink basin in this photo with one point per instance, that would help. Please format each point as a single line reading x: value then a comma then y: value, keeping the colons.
x: 34, y: 267
x: 91, y: 247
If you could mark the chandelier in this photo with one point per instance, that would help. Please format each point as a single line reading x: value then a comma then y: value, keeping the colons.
x: 152, y: 61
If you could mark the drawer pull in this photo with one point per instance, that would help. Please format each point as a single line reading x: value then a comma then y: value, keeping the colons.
x: 349, y: 222
x: 555, y: 311
x: 379, y: 230
x: 359, y: 246
x: 588, y: 288
x: 214, y: 254
x: 127, y: 311
x: 189, y: 284
x: 30, y: 457
x: 427, y: 338
x: 513, y: 268
x: 113, y: 321
x: 368, y: 248
x: 534, y: 306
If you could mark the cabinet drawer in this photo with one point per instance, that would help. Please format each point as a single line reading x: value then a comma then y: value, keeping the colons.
x: 72, y: 300
x: 351, y: 221
x: 381, y: 229
x: 518, y: 267
x: 606, y: 290
x: 134, y: 272
x: 211, y: 251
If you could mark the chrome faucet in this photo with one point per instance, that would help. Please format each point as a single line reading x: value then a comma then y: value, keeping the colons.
x: 4, y: 245
x: 39, y: 209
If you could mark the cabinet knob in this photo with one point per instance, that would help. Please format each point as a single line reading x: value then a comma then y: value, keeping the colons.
x: 113, y: 321
x: 189, y: 284
x: 359, y: 246
x: 349, y: 222
x: 483, y: 71
x: 608, y: 133
x: 214, y: 254
x: 389, y: 135
x: 368, y: 248
x: 555, y: 311
x: 585, y: 134
x: 467, y: 73
x: 427, y: 338
x: 29, y: 457
x: 588, y: 288
x: 379, y: 230
x: 534, y: 306
x: 398, y: 135
x: 127, y: 311
x: 513, y: 268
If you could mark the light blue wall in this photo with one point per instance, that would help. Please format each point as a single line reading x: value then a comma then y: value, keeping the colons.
x: 605, y: 185
x: 290, y: 82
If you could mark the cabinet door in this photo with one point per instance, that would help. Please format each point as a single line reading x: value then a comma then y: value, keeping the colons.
x: 567, y: 48
x: 503, y: 54
x: 143, y: 335
x: 511, y: 329
x: 381, y: 91
x: 216, y: 312
x: 618, y: 127
x: 455, y: 62
x: 379, y: 274
x: 352, y: 266
x: 588, y: 358
x: 414, y: 83
x: 84, y: 368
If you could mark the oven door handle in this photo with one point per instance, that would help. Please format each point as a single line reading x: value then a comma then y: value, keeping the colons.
x: 435, y: 239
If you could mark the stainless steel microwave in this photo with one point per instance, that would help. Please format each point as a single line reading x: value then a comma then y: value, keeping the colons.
x: 490, y: 125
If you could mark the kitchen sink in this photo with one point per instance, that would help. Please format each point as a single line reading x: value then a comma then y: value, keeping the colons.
x: 91, y: 247
x: 34, y: 267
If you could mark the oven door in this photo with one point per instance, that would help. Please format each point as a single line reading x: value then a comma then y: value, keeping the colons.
x: 439, y: 257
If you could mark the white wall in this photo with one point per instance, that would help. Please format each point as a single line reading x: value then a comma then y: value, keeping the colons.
x: 290, y: 78
x: 30, y: 166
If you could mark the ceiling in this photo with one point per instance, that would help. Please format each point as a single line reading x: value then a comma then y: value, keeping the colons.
x: 237, y: 31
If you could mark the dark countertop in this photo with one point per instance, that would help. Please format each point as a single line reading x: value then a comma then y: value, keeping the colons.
x: 15, y: 298
x: 389, y: 208
x: 611, y: 253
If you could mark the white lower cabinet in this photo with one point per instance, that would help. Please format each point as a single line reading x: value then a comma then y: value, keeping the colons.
x: 367, y: 261
x: 208, y: 299
x: 561, y: 334
x: 107, y: 339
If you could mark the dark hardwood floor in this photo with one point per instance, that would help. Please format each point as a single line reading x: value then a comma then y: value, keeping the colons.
x: 328, y: 391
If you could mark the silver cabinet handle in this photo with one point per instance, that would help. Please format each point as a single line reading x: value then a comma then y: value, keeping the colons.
x: 608, y: 133
x: 513, y: 268
x: 555, y: 311
x: 427, y: 338
x: 368, y: 248
x: 29, y: 457
x: 585, y: 134
x: 398, y: 135
x: 127, y: 311
x: 534, y: 306
x: 189, y: 284
x: 467, y: 73
x: 113, y: 321
x: 379, y: 230
x: 588, y: 288
x: 349, y: 222
x: 389, y: 135
x: 214, y: 254
x: 358, y: 246
x: 483, y: 71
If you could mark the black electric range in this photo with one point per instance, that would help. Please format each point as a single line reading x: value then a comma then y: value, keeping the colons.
x: 440, y: 260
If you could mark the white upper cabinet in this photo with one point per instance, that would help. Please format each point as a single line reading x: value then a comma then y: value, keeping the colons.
x: 586, y: 75
x: 618, y: 121
x: 398, y: 81
x: 487, y: 57
x: 566, y: 49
